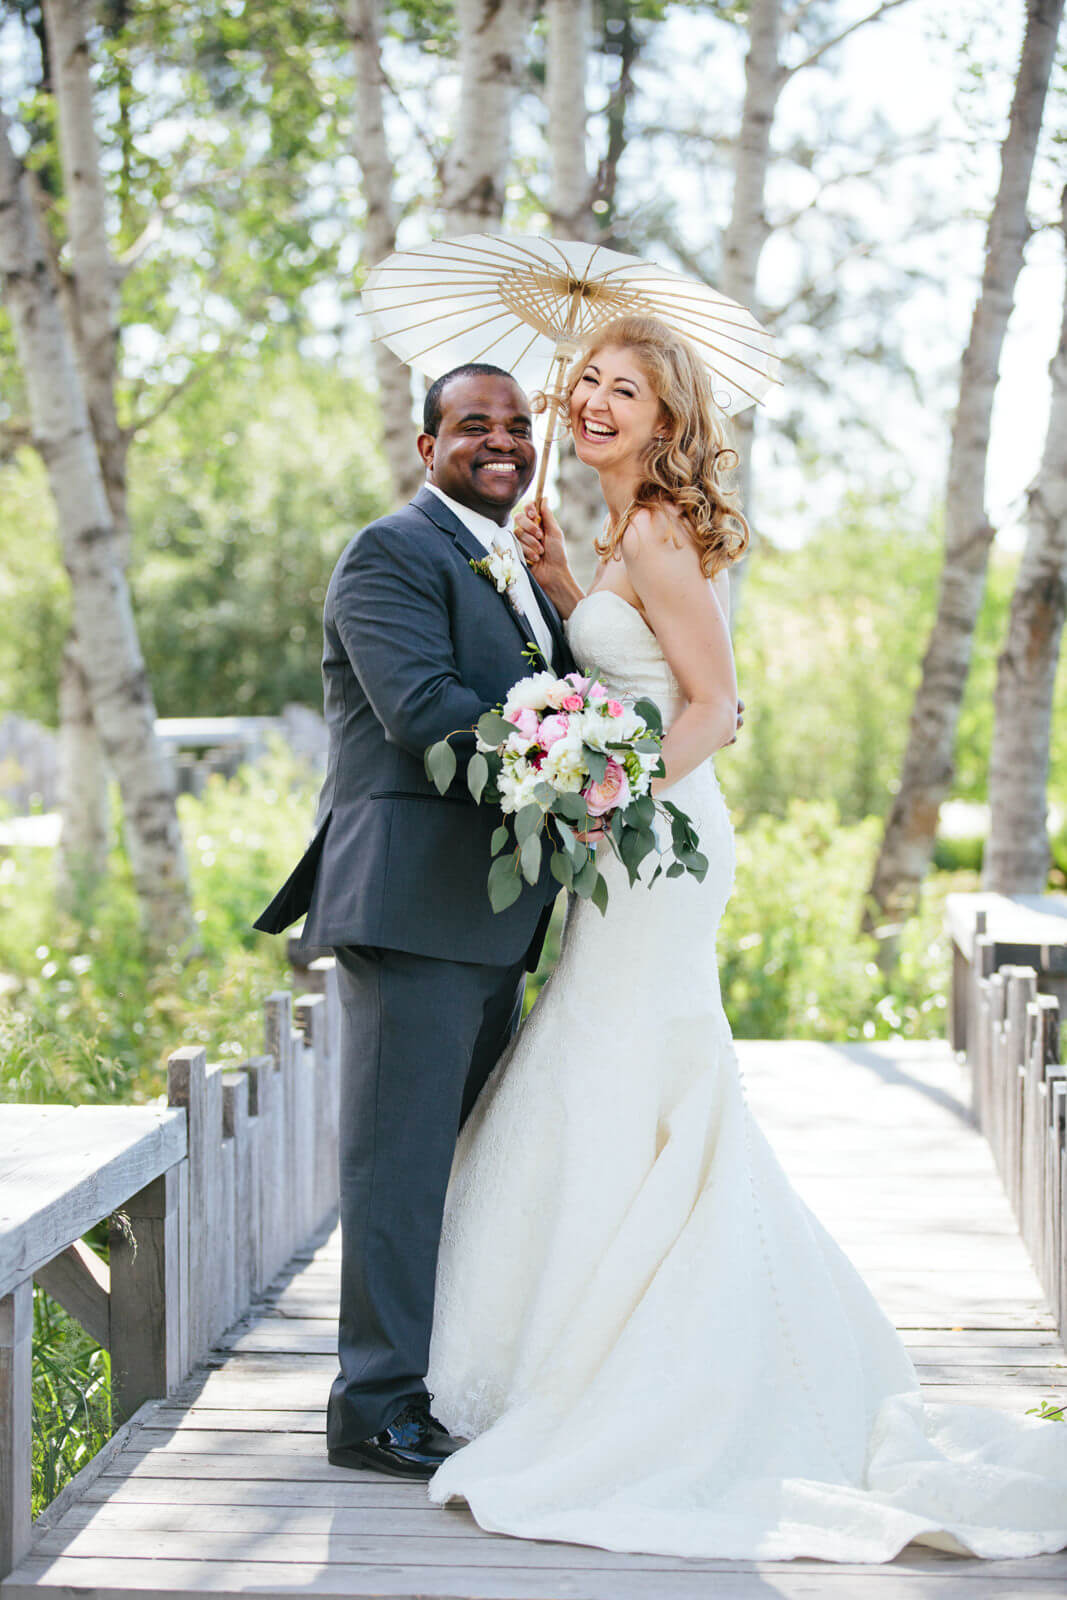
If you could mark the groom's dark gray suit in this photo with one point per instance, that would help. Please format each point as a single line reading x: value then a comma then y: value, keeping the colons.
x: 417, y: 646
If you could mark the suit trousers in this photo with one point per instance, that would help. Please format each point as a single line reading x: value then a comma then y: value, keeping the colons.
x: 419, y: 1038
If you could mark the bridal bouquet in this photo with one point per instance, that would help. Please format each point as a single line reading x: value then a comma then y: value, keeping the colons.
x: 563, y: 748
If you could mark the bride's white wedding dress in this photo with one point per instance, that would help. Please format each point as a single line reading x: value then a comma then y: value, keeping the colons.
x: 651, y: 1341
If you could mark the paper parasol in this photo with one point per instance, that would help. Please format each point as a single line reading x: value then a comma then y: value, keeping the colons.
x: 528, y: 305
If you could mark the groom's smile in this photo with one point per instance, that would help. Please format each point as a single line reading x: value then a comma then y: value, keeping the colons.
x: 483, y: 452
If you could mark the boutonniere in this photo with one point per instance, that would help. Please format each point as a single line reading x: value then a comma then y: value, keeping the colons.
x: 502, y: 569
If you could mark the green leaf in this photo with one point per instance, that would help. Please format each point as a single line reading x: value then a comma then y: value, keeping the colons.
x: 585, y: 879
x: 641, y: 813
x: 477, y: 774
x: 499, y: 839
x: 650, y: 714
x: 571, y: 806
x: 530, y: 857
x: 440, y: 764
x: 527, y: 822
x: 697, y: 864
x: 617, y: 826
x: 675, y: 869
x: 545, y: 793
x: 646, y: 747
x: 560, y: 867
x: 505, y: 885
x: 596, y: 761
x: 493, y: 728
x: 656, y: 874
x: 636, y: 844
x: 599, y: 895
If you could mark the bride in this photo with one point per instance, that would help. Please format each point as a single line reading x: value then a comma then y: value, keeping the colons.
x: 650, y: 1340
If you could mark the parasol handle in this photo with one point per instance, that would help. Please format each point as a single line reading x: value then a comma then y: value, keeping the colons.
x: 556, y: 370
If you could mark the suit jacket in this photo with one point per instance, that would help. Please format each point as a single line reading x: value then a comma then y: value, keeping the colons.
x: 416, y: 646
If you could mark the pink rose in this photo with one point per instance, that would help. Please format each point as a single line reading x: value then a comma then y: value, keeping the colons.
x: 611, y: 792
x: 573, y: 702
x: 526, y: 721
x: 597, y: 691
x: 557, y: 692
x: 614, y: 708
x: 552, y: 730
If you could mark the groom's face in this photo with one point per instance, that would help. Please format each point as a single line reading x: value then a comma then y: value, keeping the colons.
x: 483, y: 453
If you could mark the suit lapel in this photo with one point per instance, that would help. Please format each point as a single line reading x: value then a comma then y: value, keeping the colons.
x: 439, y: 514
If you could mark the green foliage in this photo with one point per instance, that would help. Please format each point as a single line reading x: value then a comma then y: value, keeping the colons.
x: 792, y: 962
x: 71, y: 1399
x: 90, y: 1018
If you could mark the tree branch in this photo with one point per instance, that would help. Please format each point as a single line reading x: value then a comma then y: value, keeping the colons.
x: 829, y: 44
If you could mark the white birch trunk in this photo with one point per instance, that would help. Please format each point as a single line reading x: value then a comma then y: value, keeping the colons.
x: 1017, y: 854
x: 492, y: 45
x: 83, y: 787
x: 109, y: 650
x: 929, y: 757
x: 92, y: 304
x: 747, y: 230
x: 571, y: 210
x: 363, y: 20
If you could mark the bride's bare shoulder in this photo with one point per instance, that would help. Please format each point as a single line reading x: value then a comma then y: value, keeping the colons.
x: 657, y: 532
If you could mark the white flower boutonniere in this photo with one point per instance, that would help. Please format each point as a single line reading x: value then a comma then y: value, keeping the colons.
x: 502, y: 568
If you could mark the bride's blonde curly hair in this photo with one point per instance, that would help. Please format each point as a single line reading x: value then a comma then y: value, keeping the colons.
x: 686, y: 467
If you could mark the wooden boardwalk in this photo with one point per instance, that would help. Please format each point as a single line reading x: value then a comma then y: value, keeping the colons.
x: 225, y: 1488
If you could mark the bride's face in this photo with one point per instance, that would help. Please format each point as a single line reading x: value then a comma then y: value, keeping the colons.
x: 614, y: 412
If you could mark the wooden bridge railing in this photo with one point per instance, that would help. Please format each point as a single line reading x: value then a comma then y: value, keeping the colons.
x: 208, y: 1199
x: 1012, y: 1035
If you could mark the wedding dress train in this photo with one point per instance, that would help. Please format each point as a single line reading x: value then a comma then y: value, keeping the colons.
x: 649, y: 1338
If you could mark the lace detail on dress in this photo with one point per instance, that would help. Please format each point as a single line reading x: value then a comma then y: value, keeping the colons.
x: 653, y: 1343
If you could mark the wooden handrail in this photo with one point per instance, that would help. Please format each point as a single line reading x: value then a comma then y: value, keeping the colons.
x: 208, y: 1198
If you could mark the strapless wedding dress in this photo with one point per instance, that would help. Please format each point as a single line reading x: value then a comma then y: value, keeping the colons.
x: 650, y: 1340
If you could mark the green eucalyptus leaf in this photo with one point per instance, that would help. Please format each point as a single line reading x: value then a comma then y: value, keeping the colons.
x: 545, y: 793
x: 585, y: 879
x: 599, y: 895
x: 493, y: 728
x: 571, y: 806
x: 641, y: 813
x: 560, y: 867
x: 530, y: 857
x: 650, y: 714
x: 499, y: 839
x: 440, y: 764
x: 477, y: 774
x: 505, y: 886
x: 675, y: 869
x: 646, y: 747
x: 596, y: 761
x: 527, y: 822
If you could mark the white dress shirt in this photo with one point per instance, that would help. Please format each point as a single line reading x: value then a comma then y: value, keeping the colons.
x: 487, y: 532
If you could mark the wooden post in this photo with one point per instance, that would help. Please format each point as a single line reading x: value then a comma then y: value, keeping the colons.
x: 192, y: 1084
x: 259, y: 1072
x: 278, y: 1018
x: 146, y: 1345
x: 237, y: 1127
x: 16, y: 1436
x: 311, y: 1016
x: 979, y: 1051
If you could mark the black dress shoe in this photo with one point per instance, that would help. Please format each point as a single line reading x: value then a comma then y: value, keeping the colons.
x: 412, y: 1446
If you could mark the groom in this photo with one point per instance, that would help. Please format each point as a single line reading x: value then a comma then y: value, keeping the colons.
x: 417, y: 645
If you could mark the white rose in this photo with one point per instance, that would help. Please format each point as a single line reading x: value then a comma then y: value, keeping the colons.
x: 529, y: 692
x: 565, y: 767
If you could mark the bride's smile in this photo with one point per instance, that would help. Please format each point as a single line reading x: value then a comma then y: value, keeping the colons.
x: 614, y: 413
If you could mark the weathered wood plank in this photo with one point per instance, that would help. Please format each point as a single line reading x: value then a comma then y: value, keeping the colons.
x: 89, y: 1162
x: 103, y: 1579
x: 81, y: 1282
x: 146, y: 1301
x: 16, y: 1334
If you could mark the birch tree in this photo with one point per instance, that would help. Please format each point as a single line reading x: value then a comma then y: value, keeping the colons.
x: 90, y: 291
x: 109, y: 651
x: 573, y: 187
x: 929, y: 757
x: 1017, y: 854
x: 363, y: 20
x: 492, y: 49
